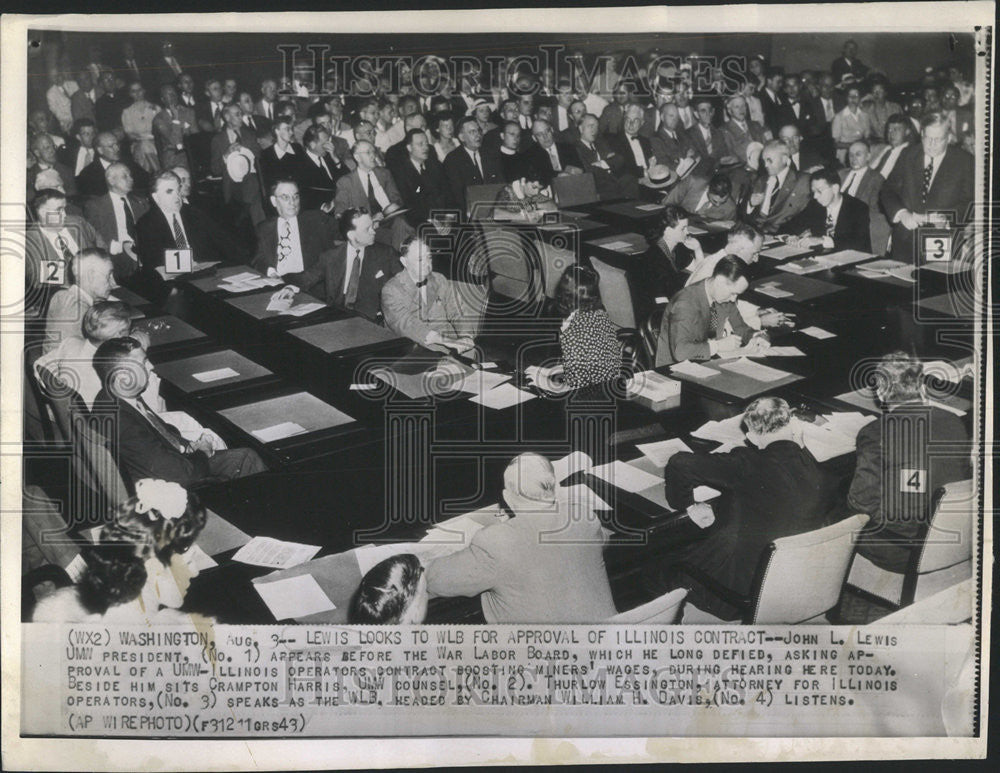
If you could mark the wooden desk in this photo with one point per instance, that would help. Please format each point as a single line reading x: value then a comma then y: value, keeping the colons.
x: 170, y: 337
x: 214, y: 373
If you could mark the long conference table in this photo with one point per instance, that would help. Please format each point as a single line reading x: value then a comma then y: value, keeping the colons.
x: 355, y: 460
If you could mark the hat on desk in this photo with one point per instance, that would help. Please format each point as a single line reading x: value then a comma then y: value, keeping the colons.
x: 659, y: 176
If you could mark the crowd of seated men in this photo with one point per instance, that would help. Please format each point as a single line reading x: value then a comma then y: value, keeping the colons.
x: 335, y: 193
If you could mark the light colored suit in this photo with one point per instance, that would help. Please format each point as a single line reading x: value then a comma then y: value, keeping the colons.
x: 687, y: 194
x: 408, y: 315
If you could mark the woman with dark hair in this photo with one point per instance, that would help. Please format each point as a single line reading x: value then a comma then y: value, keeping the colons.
x: 442, y: 126
x: 526, y: 197
x: 394, y: 592
x: 140, y: 569
x: 591, y: 351
x: 662, y: 267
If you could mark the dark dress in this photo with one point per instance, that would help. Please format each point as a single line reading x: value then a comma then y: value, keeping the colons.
x: 591, y: 351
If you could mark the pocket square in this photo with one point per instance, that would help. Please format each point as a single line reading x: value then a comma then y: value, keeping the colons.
x: 380, y: 274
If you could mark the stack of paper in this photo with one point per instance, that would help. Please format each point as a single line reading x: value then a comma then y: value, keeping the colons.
x: 278, y: 432
x: 805, y: 265
x: 661, y: 451
x: 503, y: 396
x: 772, y: 290
x: 302, y: 310
x: 847, y: 257
x: 726, y: 431
x: 653, y: 386
x: 274, y: 554
x: 692, y: 369
x: 753, y: 370
x: 837, y: 436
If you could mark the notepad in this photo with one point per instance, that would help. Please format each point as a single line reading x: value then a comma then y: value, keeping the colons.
x: 503, y: 396
x: 274, y: 553
x: 208, y: 376
x: 625, y: 476
x: 278, y: 431
x: 818, y: 332
x: 753, y: 370
x: 294, y: 597
x: 693, y: 369
x: 773, y: 291
x: 301, y: 311
x: 661, y: 451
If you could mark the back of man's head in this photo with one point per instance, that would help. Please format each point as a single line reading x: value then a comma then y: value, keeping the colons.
x: 530, y: 476
x: 106, y: 320
x: 767, y: 415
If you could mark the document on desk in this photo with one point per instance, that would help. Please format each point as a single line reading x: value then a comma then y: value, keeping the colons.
x: 503, y: 396
x: 818, y: 332
x: 805, y: 266
x: 825, y: 443
x: 244, y: 276
x: 584, y: 495
x: 773, y: 291
x: 661, y: 451
x: 784, y: 252
x: 653, y: 208
x: 278, y: 432
x: 302, y: 310
x: 705, y: 493
x: 625, y: 476
x: 693, y: 369
x: 847, y: 257
x: 616, y: 245
x: 294, y: 597
x: 274, y: 553
x: 208, y: 376
x: 726, y: 431
x: 571, y: 464
x: 753, y: 370
x: 479, y: 381
x: 199, y: 558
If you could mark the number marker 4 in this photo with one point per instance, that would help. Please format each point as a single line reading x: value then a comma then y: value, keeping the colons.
x: 913, y: 481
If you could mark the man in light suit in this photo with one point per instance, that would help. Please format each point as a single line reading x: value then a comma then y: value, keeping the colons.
x: 425, y: 307
x: 51, y: 243
x: 690, y: 330
x: 780, y: 194
x: 372, y: 188
x: 353, y: 273
x: 864, y: 183
x: 705, y: 200
x: 114, y: 216
x: 470, y: 164
x: 292, y: 242
x: 740, y: 130
x: 931, y: 181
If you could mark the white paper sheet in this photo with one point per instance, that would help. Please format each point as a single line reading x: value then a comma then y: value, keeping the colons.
x: 782, y: 252
x: 479, y: 381
x: 208, y: 376
x: 294, y: 597
x: 705, y: 493
x: 805, y: 266
x: 648, y: 207
x: 625, y: 476
x: 362, y: 387
x: 301, y: 311
x: 773, y: 291
x: 753, y: 370
x: 693, y: 369
x: 725, y: 448
x: 200, y: 558
x: 847, y: 257
x: 661, y: 451
x: 725, y: 431
x: 783, y: 351
x: 585, y: 495
x: 274, y: 553
x: 616, y: 245
x: 244, y: 276
x: 278, y: 431
x: 817, y: 332
x: 654, y: 386
x: 571, y: 464
x: 503, y: 396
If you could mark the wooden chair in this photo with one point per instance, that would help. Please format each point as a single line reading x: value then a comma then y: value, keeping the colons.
x: 940, y: 558
x: 650, y: 332
x: 662, y: 609
x: 514, y: 269
x: 615, y: 293
x: 574, y: 189
x: 798, y: 579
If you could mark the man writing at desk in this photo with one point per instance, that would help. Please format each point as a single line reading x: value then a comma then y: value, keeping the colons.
x: 703, y: 320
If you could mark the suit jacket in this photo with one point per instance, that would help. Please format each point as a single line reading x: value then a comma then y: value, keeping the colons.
x: 737, y: 139
x: 423, y: 193
x: 809, y: 159
x: 840, y: 67
x: 775, y: 492
x: 82, y: 106
x: 206, y: 239
x: 772, y: 110
x: 290, y: 166
x: 462, y: 172
x: 38, y: 250
x: 951, y: 191
x: 620, y: 145
x: 108, y: 110
x: 351, y: 194
x: 670, y: 150
x: 607, y: 184
x: 868, y: 191
x: 406, y: 315
x: 612, y: 119
x: 661, y: 275
x: 248, y: 189
x: 805, y: 120
x: 378, y: 267
x: 687, y: 194
x: 787, y: 201
x: 684, y: 332
x: 100, y: 213
x: 852, y: 231
x: 65, y: 174
x: 538, y: 159
x: 91, y: 181
x: 719, y: 146
x: 315, y: 186
x: 317, y: 233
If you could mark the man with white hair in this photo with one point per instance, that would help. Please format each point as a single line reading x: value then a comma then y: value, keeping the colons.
x: 739, y: 130
x: 780, y: 193
x: 545, y: 565
x: 114, y: 216
x: 93, y: 275
x: 775, y: 490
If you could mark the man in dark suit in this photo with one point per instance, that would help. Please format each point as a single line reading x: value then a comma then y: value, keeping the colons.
x: 707, y: 139
x: 802, y: 157
x: 770, y: 99
x: 831, y: 219
x: 146, y: 445
x: 92, y: 181
x: 599, y: 158
x: 931, y: 181
x: 671, y: 144
x: 691, y: 331
x: 468, y: 165
x: 109, y: 106
x: 320, y: 171
x: 635, y: 150
x: 284, y: 159
x: 825, y: 107
x: 550, y: 159
x: 492, y: 139
x: 421, y: 179
x: 660, y: 273
x: 209, y: 111
x: 114, y: 216
x: 46, y: 158
x: 793, y: 109
x: 78, y: 153
x: 245, y: 192
x: 354, y: 272
x: 292, y: 242
x: 848, y: 64
x: 779, y: 194
x: 775, y: 490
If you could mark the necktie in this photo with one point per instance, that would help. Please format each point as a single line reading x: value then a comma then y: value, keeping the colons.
x: 161, y: 427
x: 422, y: 283
x: 765, y: 205
x: 479, y: 166
x: 372, y: 201
x: 713, y: 321
x: 351, y: 296
x: 928, y: 174
x: 129, y: 219
x: 829, y: 224
x: 64, y: 248
x: 554, y: 154
x: 217, y: 113
x: 707, y: 134
x: 179, y: 241
x: 251, y: 124
x: 285, y: 242
x: 849, y: 181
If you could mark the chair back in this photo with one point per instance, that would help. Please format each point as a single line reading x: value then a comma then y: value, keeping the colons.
x: 479, y: 200
x: 813, y: 565
x: 101, y: 485
x: 949, y: 536
x: 662, y: 609
x: 650, y: 332
x: 514, y: 270
x: 615, y: 293
x: 574, y: 189
x: 45, y: 539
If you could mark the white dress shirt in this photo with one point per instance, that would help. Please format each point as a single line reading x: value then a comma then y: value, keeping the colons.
x: 119, y: 207
x: 377, y: 189
x: 353, y: 252
x: 640, y: 157
x: 852, y: 181
x: 84, y: 157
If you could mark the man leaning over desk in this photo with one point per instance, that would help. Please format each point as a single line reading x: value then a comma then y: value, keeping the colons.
x: 702, y: 320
